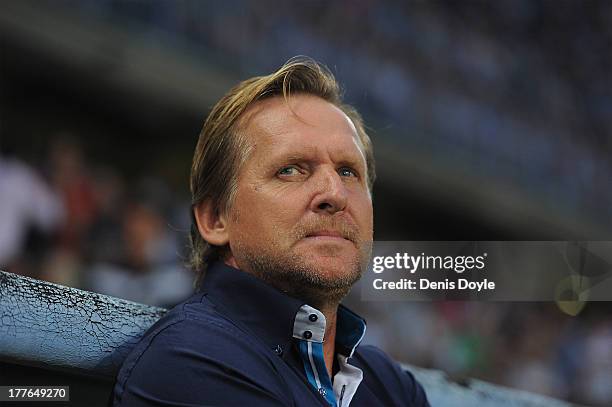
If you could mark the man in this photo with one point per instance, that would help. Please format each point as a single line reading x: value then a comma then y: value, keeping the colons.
x: 281, y: 184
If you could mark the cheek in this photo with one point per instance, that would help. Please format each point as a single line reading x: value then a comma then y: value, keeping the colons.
x: 364, y: 215
x: 263, y: 213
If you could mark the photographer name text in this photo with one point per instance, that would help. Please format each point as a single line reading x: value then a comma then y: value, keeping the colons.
x: 404, y: 262
x: 426, y: 284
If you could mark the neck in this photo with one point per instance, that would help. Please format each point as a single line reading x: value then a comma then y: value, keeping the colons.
x: 329, y: 342
x: 327, y: 304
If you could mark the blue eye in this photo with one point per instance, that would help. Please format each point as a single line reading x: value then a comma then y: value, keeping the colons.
x: 346, y: 172
x: 288, y: 171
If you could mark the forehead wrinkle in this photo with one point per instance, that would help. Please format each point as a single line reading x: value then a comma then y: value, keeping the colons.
x: 289, y: 111
x: 256, y: 123
x: 277, y: 148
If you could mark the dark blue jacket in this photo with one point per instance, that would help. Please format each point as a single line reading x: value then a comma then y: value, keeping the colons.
x: 232, y: 345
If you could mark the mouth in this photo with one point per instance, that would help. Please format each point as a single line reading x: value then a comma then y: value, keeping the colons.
x: 327, y: 235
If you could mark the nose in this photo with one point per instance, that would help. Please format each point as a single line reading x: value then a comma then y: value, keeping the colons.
x: 331, y: 194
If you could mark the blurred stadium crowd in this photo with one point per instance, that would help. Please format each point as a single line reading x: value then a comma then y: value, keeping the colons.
x: 519, y: 90
x: 516, y: 87
x: 81, y: 225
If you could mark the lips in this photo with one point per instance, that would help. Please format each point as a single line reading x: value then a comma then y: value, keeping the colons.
x: 326, y: 235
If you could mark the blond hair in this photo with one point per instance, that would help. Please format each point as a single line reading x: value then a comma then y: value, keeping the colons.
x: 222, y: 148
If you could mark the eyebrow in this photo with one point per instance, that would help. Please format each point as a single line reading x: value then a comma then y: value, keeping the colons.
x: 290, y: 154
x: 295, y: 157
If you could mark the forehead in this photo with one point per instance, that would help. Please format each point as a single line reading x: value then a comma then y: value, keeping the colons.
x: 301, y: 121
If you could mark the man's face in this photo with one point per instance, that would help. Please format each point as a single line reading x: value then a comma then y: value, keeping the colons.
x: 302, y: 211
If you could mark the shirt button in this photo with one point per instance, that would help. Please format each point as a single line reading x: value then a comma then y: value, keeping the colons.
x: 278, y: 350
x: 313, y: 317
x: 307, y: 334
x: 322, y: 391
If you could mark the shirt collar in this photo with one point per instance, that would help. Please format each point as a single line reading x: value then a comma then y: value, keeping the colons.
x: 309, y: 325
x: 273, y: 315
x: 246, y: 299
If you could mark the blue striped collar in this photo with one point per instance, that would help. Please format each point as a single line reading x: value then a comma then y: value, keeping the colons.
x: 309, y: 331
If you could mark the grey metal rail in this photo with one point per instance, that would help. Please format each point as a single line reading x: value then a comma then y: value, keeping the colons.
x: 51, y: 326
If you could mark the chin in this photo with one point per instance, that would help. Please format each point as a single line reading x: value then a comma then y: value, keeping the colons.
x: 331, y: 267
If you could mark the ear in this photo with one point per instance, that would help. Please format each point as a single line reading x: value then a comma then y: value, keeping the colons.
x: 211, y: 225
